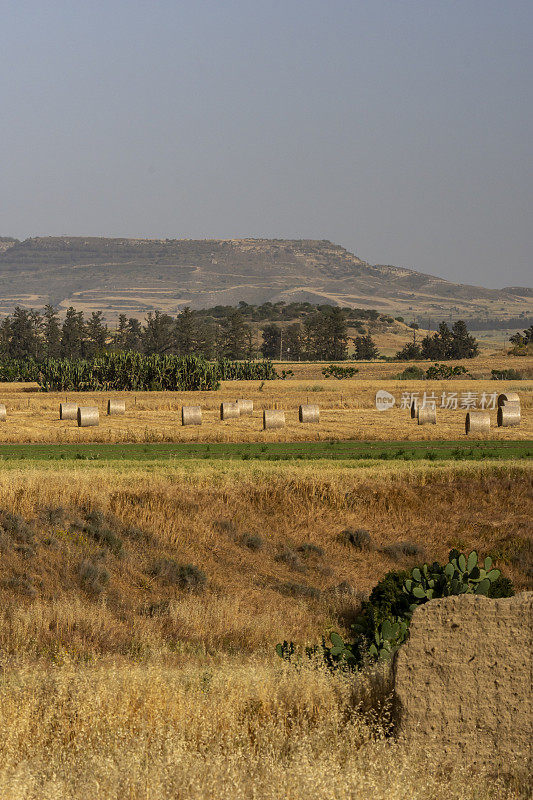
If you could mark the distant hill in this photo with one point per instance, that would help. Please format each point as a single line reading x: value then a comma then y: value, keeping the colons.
x: 134, y: 276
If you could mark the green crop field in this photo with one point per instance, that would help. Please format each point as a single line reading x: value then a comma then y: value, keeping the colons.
x: 272, y: 451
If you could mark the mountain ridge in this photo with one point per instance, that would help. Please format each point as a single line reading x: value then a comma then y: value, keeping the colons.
x: 126, y: 275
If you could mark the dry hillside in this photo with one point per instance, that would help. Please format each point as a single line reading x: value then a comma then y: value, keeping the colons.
x: 139, y: 275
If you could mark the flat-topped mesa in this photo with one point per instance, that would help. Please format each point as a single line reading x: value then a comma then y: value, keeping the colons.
x: 208, y: 272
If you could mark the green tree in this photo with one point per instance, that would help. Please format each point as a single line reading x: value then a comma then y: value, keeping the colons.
x: 439, y: 345
x: 25, y: 334
x: 5, y: 337
x: 293, y: 342
x: 447, y: 344
x: 463, y: 344
x: 326, y: 335
x: 409, y: 352
x: 233, y: 336
x: 206, y: 335
x: 365, y: 348
x: 120, y: 336
x: 186, y: 333
x: 51, y: 332
x: 338, y: 334
x: 271, y: 335
x: 158, y: 334
x: 72, y: 334
x: 95, y: 335
x: 134, y: 336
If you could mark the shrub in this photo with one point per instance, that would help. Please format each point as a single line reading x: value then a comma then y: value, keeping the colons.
x: 15, y: 525
x: 156, y: 609
x: 54, y: 516
x: 310, y: 549
x: 445, y: 372
x: 358, y: 538
x: 5, y: 541
x: 343, y: 588
x: 298, y: 590
x: 135, y: 533
x: 225, y: 526
x: 411, y: 374
x: 22, y: 584
x: 341, y: 373
x: 291, y: 559
x: 505, y: 375
x: 407, y: 549
x: 251, y: 541
x: 501, y: 587
x: 185, y: 576
x: 96, y: 528
x: 94, y: 578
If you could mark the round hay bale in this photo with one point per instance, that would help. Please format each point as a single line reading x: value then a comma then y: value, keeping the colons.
x: 426, y: 415
x: 88, y: 416
x: 414, y: 406
x: 273, y: 419
x: 191, y: 415
x: 511, y: 404
x: 309, y: 413
x: 509, y: 415
x: 3, y: 413
x: 229, y: 411
x: 477, y: 422
x: 116, y: 407
x: 68, y: 410
x: 246, y: 407
x: 508, y: 397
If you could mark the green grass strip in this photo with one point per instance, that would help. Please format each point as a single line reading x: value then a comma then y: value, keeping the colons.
x: 272, y: 451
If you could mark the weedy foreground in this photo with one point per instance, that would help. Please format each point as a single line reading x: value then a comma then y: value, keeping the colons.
x: 141, y: 605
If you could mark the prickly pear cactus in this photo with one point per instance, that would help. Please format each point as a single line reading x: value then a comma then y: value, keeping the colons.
x: 461, y: 575
x: 465, y: 575
x: 388, y: 637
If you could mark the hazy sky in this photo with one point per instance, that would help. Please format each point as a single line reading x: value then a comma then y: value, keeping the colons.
x: 401, y: 130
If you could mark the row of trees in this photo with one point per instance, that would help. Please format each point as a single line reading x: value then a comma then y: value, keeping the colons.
x: 322, y: 335
x: 445, y: 344
x: 30, y: 334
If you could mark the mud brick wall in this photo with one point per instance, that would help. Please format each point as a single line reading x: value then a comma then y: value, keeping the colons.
x: 463, y: 679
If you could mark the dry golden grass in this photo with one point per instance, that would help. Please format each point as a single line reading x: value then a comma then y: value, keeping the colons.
x: 347, y: 411
x: 149, y: 692
x: 199, y: 514
x: 252, y: 730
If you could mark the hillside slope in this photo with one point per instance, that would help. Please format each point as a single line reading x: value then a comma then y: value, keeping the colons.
x: 138, y: 275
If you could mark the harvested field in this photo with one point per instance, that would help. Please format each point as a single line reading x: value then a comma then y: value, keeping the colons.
x: 347, y: 412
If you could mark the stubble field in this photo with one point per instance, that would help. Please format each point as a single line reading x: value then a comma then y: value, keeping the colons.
x: 347, y: 412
